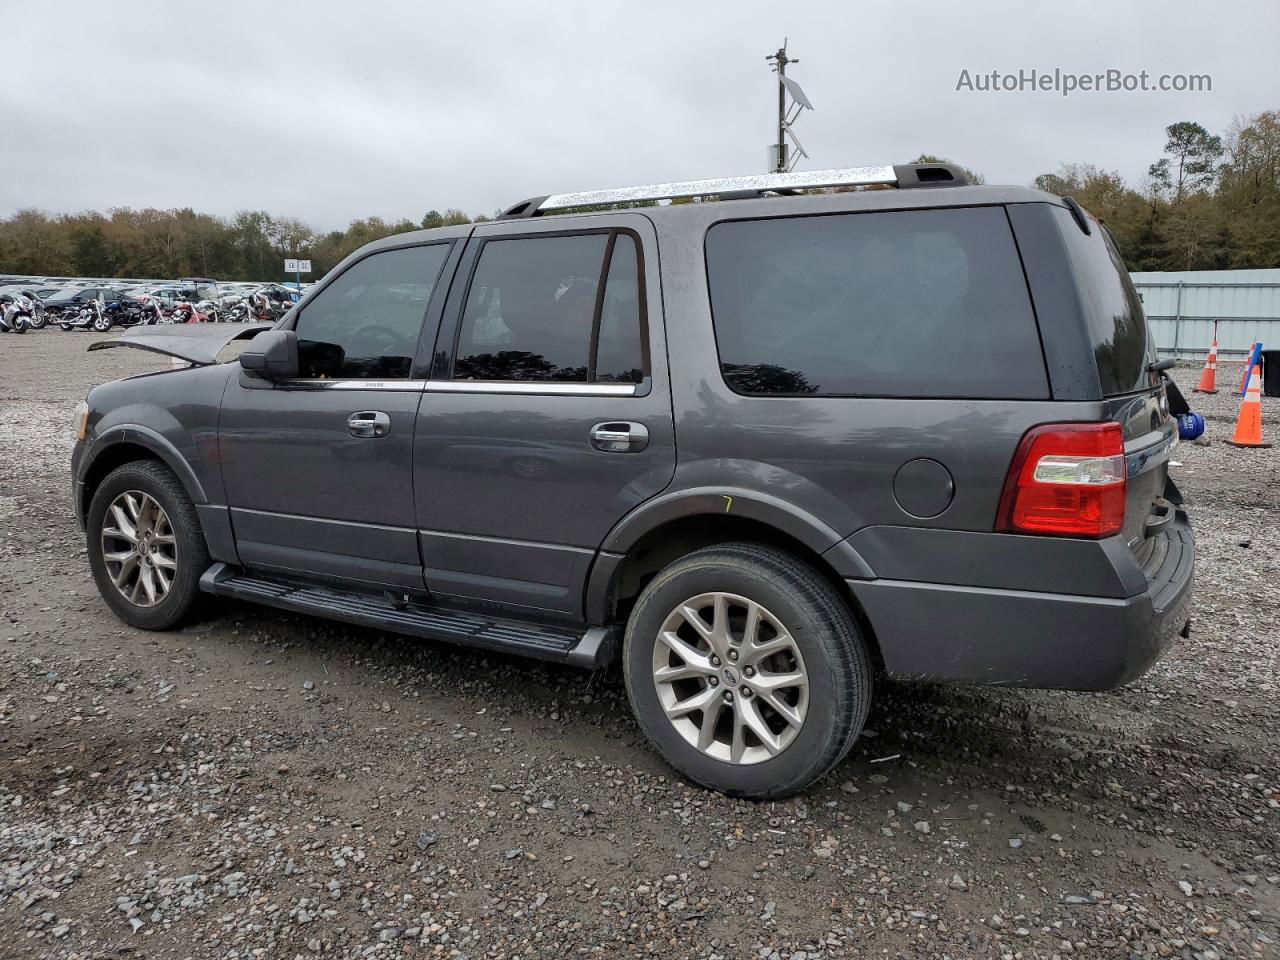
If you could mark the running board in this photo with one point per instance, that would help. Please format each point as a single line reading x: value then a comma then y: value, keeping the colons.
x: 591, y: 650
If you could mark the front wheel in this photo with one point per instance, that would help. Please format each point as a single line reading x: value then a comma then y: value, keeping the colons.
x: 102, y: 324
x: 38, y: 321
x: 746, y: 669
x: 146, y: 548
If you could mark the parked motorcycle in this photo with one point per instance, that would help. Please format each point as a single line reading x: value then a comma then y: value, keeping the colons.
x: 263, y: 308
x: 90, y: 315
x: 185, y: 311
x: 151, y: 313
x: 23, y: 309
x: 14, y: 315
x: 39, y: 316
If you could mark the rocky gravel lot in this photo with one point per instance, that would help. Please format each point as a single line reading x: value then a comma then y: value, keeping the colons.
x: 260, y: 785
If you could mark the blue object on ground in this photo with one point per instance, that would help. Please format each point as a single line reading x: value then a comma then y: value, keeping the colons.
x: 1190, y: 426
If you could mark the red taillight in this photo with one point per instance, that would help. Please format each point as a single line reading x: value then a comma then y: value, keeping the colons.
x: 1066, y: 479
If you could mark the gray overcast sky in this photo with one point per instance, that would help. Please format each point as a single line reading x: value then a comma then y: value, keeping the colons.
x: 330, y: 111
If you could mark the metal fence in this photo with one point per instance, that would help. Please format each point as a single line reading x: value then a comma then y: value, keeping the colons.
x: 1183, y: 315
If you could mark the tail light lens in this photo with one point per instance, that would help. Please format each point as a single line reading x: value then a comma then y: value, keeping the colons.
x: 1066, y: 479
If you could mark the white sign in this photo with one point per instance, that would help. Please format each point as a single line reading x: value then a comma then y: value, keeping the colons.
x: 297, y: 266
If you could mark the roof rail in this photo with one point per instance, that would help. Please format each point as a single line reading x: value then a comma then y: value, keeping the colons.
x: 904, y: 176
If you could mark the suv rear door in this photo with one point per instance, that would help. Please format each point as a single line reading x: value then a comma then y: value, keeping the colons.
x: 548, y: 413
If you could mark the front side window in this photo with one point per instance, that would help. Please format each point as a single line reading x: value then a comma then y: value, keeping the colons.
x: 920, y: 303
x: 537, y: 311
x: 366, y: 323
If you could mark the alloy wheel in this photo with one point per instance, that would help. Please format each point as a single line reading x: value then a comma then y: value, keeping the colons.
x: 139, y: 548
x: 730, y: 678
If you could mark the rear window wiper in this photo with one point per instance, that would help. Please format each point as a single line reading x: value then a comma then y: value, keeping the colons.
x: 1160, y: 366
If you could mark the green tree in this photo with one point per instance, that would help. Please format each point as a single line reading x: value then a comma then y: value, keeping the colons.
x: 1249, y: 190
x: 1192, y: 161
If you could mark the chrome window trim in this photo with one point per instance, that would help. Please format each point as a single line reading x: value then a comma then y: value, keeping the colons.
x: 400, y: 386
x: 534, y: 387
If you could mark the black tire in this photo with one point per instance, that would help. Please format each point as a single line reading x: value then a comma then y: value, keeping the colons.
x: 822, y: 626
x: 103, y: 324
x: 38, y: 321
x: 192, y: 553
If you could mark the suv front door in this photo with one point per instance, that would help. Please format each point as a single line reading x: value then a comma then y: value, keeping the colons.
x: 547, y: 417
x: 318, y: 469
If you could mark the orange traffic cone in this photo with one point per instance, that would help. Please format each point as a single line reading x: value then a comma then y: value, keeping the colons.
x: 1249, y: 423
x: 1209, y: 377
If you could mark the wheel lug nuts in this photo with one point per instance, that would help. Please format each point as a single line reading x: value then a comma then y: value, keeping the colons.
x: 749, y: 671
x: 733, y: 654
x: 713, y: 681
x: 715, y: 661
x: 746, y: 691
x: 728, y: 696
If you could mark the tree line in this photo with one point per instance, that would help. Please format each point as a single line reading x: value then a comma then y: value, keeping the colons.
x: 1207, y: 202
x: 181, y: 243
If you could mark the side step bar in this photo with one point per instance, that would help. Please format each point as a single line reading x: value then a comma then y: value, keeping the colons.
x: 592, y: 650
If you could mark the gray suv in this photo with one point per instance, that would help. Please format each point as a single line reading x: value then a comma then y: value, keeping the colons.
x: 763, y: 439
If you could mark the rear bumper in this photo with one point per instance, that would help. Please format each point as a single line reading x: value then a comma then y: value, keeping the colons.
x: 947, y: 632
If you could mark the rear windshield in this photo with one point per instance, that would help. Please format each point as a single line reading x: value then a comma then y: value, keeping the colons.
x: 920, y: 303
x: 1116, y: 325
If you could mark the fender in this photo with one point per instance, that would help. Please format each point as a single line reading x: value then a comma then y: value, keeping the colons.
x: 154, y: 442
x: 716, y: 501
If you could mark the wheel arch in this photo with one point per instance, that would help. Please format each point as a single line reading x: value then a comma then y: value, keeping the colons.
x: 668, y: 528
x: 126, y: 444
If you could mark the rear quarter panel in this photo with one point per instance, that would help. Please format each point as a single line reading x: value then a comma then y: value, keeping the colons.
x: 834, y: 458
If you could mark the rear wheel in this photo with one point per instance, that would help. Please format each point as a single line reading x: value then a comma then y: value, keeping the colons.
x: 746, y: 669
x: 146, y: 548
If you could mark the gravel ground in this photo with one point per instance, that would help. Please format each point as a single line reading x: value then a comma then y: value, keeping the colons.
x: 264, y: 785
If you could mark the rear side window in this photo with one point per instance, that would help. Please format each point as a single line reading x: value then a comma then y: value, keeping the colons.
x: 920, y: 303
x: 1114, y: 319
x: 563, y: 309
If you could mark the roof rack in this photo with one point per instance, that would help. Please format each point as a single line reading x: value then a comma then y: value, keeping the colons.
x: 906, y: 175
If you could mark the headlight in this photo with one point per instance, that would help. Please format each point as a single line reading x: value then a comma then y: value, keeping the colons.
x: 82, y: 420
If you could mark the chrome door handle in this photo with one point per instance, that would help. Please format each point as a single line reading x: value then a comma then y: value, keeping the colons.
x: 619, y: 437
x: 369, y: 423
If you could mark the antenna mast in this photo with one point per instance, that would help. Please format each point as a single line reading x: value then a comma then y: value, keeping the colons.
x: 781, y: 160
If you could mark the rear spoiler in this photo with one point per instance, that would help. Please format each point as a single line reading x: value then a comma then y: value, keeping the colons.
x: 195, y: 343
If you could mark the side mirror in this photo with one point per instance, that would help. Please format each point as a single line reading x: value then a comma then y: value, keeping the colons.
x: 272, y: 355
